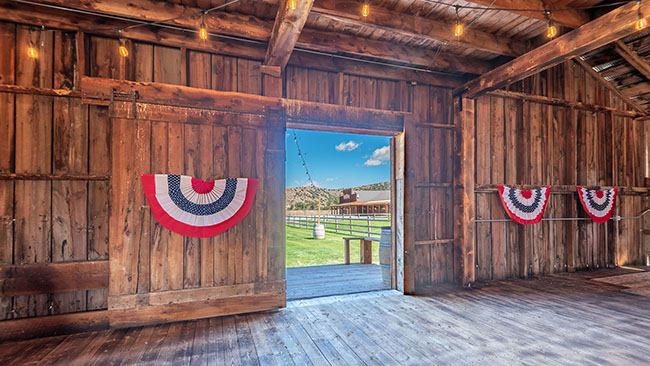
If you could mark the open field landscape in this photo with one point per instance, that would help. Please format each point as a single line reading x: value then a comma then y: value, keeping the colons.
x: 304, y: 250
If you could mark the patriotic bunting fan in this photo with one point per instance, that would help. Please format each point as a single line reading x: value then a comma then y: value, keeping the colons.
x: 196, y: 208
x: 524, y: 206
x: 598, y: 204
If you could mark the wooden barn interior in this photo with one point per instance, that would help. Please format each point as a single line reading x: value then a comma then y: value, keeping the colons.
x: 474, y: 94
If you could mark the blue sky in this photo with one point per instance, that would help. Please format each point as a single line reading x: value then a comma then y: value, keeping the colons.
x: 337, y: 160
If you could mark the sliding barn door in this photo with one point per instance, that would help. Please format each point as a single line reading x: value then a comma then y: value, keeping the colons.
x: 159, y: 276
x: 429, y: 150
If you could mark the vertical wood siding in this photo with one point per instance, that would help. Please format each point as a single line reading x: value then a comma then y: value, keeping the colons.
x: 520, y: 142
x: 55, y: 220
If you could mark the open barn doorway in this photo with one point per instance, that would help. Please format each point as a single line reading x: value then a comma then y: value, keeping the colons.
x: 339, y: 213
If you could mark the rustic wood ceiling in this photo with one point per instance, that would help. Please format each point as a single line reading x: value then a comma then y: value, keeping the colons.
x: 626, y: 65
x: 513, y: 30
x: 415, y: 33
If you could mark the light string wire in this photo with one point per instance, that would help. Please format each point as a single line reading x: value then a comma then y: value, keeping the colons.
x: 522, y: 10
x: 235, y: 38
x: 190, y: 15
x: 139, y: 23
x: 162, y: 24
x: 304, y: 163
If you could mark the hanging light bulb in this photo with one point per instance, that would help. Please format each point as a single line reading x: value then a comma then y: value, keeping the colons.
x: 640, y: 22
x: 203, y: 31
x: 292, y: 4
x: 124, y: 52
x: 551, y: 30
x: 365, y: 9
x: 458, y: 29
x: 31, y: 50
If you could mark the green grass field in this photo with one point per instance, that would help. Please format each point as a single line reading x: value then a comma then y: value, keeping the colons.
x: 304, y: 250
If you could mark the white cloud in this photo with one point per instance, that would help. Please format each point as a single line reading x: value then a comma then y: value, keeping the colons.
x: 347, y: 146
x: 380, y: 156
x: 372, y: 162
x: 331, y: 179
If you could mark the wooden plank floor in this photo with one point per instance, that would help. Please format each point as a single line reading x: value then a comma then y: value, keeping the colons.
x: 335, y: 279
x: 566, y: 319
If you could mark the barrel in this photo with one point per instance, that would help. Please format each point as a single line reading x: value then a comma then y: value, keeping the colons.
x: 319, y: 231
x: 385, y: 253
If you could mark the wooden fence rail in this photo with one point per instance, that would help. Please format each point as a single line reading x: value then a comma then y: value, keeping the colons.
x: 343, y: 223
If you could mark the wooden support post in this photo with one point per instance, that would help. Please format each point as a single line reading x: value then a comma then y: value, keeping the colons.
x: 465, y: 198
x: 272, y: 85
x: 347, y: 251
x: 366, y: 251
x: 286, y: 31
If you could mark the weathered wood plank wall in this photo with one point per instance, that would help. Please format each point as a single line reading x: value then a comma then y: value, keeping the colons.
x: 44, y: 219
x: 520, y: 142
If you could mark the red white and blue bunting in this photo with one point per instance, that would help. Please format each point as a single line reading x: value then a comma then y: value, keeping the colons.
x: 524, y: 206
x: 599, y: 205
x: 197, y: 208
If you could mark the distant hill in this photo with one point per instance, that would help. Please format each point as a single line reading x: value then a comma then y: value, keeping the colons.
x: 306, y: 198
x: 383, y: 186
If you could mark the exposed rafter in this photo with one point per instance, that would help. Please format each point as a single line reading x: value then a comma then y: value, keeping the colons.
x: 258, y: 29
x: 633, y: 58
x: 608, y: 85
x: 609, y: 28
x: 286, y: 30
x: 347, y: 12
x: 567, y: 18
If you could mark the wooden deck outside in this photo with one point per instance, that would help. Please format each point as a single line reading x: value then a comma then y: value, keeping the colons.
x: 560, y: 319
x: 335, y: 279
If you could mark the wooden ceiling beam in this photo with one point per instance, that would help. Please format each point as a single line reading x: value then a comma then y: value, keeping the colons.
x: 286, y: 30
x: 258, y: 29
x: 567, y: 18
x: 67, y: 21
x: 369, y: 48
x: 633, y: 58
x: 347, y: 12
x: 611, y: 27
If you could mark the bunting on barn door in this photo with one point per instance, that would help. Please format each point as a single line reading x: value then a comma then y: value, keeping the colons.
x: 197, y: 208
x: 524, y: 206
x: 598, y: 204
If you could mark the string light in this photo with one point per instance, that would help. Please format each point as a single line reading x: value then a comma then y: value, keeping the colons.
x: 203, y: 31
x: 292, y: 4
x: 551, y: 30
x: 365, y: 9
x: 304, y: 163
x: 458, y: 30
x: 31, y: 49
x: 640, y: 22
x: 124, y: 52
